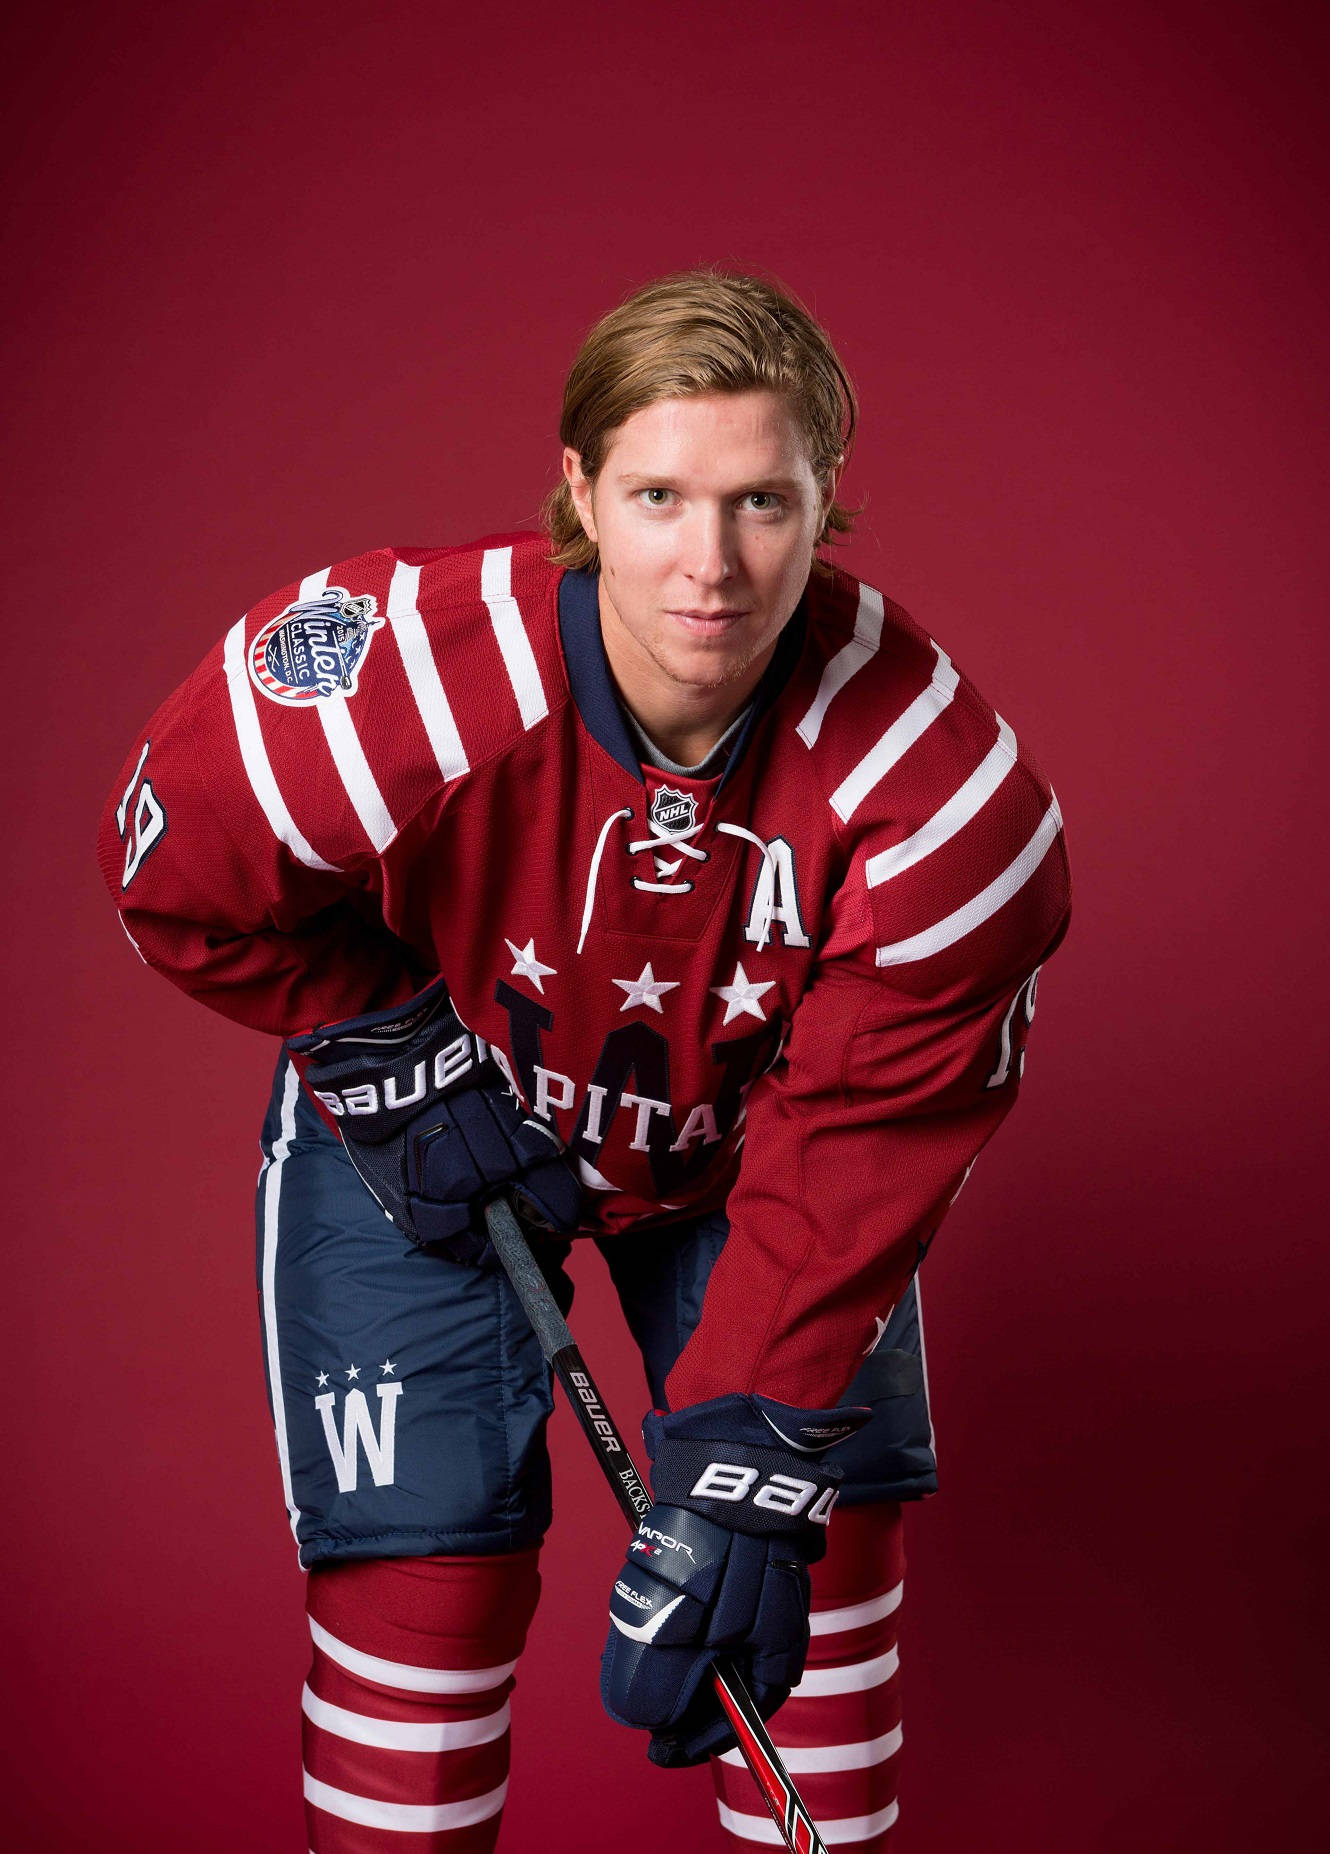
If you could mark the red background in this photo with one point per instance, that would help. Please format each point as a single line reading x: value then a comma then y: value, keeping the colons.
x: 286, y: 282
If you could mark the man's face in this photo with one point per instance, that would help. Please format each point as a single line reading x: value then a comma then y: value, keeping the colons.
x: 705, y: 511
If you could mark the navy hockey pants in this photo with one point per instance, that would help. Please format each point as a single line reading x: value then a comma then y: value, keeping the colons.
x: 409, y: 1396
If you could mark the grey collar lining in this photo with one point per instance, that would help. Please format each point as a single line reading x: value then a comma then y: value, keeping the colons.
x: 706, y: 768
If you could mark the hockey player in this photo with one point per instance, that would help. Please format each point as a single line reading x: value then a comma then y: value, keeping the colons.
x: 659, y: 873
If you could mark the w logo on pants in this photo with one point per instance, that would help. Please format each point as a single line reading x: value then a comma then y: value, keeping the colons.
x: 357, y: 1431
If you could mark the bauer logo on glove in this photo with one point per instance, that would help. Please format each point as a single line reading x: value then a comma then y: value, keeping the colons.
x: 433, y: 1127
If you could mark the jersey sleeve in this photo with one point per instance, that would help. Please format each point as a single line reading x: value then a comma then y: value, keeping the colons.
x: 904, y: 1056
x: 240, y: 870
x: 262, y: 840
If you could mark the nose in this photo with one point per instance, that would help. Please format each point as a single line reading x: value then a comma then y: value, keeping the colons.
x: 709, y: 545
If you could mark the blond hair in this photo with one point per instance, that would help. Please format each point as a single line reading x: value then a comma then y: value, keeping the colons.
x: 700, y: 331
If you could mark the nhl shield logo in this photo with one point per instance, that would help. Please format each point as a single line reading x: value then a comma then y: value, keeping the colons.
x: 314, y: 649
x: 673, y: 810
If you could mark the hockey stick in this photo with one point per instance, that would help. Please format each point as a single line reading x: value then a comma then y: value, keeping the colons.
x: 787, y: 1807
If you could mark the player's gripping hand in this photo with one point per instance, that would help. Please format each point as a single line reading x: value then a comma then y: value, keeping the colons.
x: 432, y: 1126
x: 719, y: 1566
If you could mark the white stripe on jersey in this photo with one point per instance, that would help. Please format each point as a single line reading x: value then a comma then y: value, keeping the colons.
x: 854, y: 1677
x: 985, y: 904
x: 900, y: 736
x: 402, y: 1735
x: 849, y: 658
x: 496, y: 589
x: 348, y: 754
x: 954, y: 815
x: 405, y: 1674
x: 271, y: 1178
x: 408, y: 1818
x: 855, y: 1615
x: 254, y: 755
x: 835, y: 1833
x: 408, y: 628
x: 349, y: 758
x: 803, y: 1758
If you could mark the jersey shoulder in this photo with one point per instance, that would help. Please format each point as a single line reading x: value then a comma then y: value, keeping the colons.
x: 487, y: 631
x: 953, y: 837
x: 348, y: 699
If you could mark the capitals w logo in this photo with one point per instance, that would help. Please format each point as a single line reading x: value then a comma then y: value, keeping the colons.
x: 358, y: 1432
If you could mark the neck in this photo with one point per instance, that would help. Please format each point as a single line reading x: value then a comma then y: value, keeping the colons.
x: 685, y: 720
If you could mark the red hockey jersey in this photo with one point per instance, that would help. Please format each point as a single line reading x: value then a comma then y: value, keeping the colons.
x: 799, y: 988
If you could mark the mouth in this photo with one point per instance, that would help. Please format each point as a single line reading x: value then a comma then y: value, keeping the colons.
x: 711, y: 623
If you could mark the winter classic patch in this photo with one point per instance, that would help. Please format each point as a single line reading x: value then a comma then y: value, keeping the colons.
x: 314, y: 649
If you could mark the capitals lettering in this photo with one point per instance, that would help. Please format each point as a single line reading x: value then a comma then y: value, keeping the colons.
x: 632, y: 1073
x: 546, y: 1096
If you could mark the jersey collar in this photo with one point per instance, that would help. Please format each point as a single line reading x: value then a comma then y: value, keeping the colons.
x: 593, y: 687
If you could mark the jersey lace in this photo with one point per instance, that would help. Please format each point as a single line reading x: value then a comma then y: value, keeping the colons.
x: 661, y: 844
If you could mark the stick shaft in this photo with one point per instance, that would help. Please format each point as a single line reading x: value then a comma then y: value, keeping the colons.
x: 560, y: 1348
x: 619, y: 1468
x: 787, y: 1807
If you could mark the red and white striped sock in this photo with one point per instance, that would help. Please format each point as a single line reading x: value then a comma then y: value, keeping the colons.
x: 406, y: 1708
x: 839, y: 1731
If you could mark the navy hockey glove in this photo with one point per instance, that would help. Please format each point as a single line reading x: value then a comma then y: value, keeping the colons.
x: 718, y: 1567
x: 432, y: 1126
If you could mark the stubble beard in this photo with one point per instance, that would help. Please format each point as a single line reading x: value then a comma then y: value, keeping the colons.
x: 700, y: 676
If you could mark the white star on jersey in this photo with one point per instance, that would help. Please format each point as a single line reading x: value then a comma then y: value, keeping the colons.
x: 528, y: 966
x: 741, y: 996
x: 646, y: 989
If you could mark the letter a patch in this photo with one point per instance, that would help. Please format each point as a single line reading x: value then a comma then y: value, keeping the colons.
x: 775, y: 899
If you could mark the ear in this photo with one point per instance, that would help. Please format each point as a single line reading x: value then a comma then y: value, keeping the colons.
x: 580, y: 488
x: 826, y: 497
x: 831, y: 485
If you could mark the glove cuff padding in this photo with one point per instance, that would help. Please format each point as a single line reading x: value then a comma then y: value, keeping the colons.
x: 748, y: 1416
x: 433, y: 1126
x: 752, y: 1465
x: 393, y: 1027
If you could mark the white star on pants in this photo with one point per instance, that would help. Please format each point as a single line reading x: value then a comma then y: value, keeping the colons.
x: 741, y: 996
x: 646, y: 989
x: 528, y: 966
